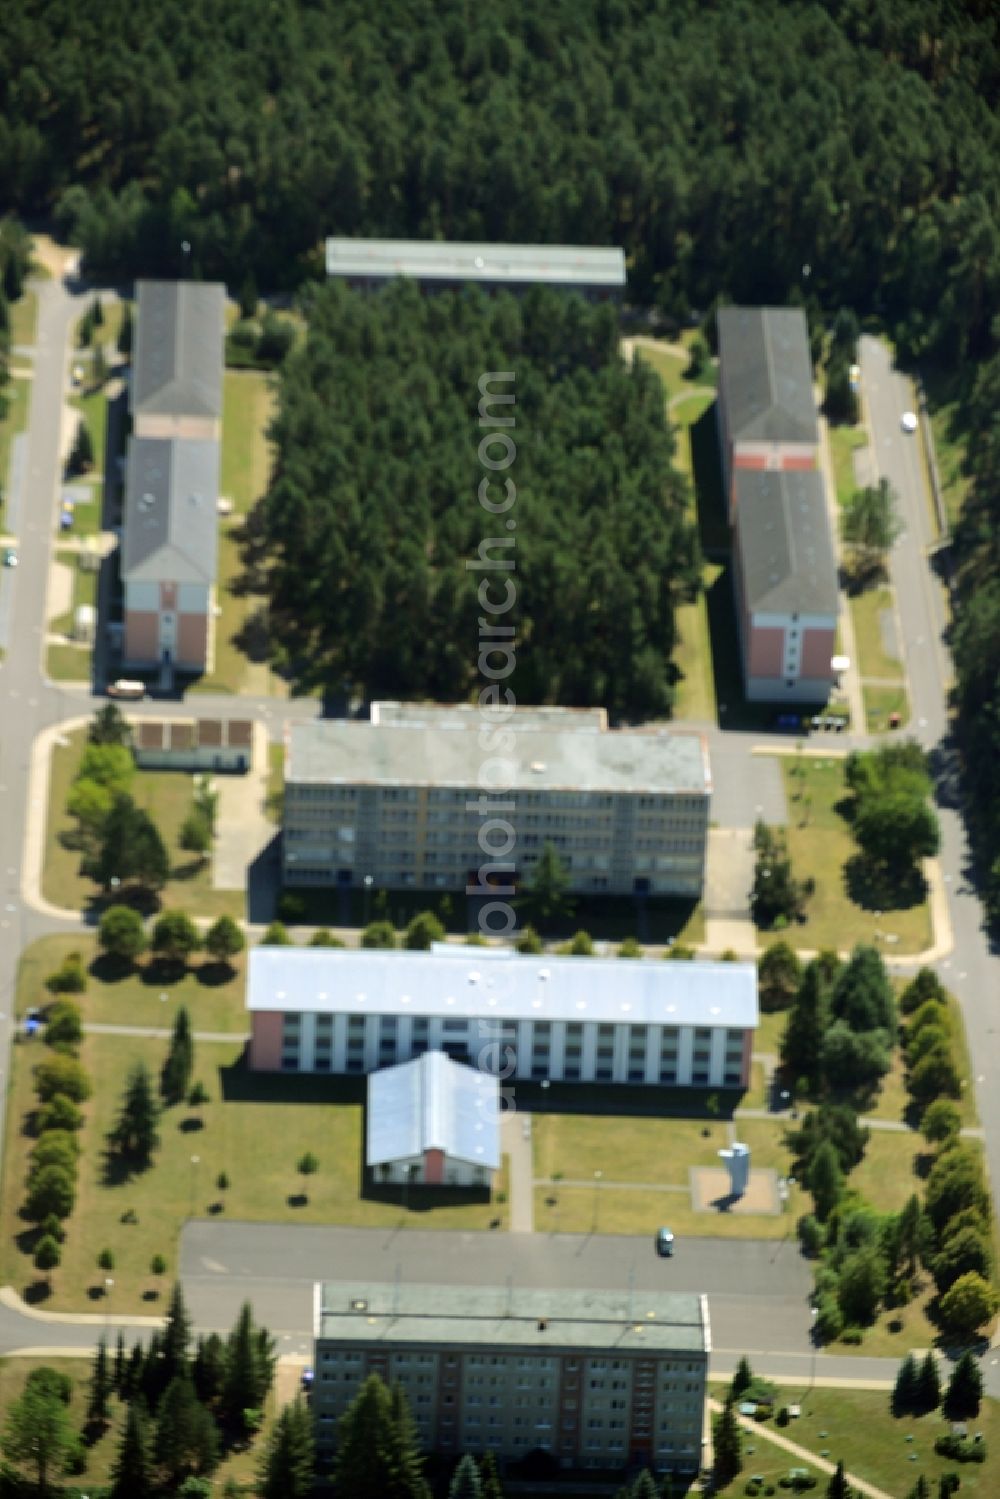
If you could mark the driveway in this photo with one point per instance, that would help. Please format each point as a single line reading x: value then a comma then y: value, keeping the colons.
x: 745, y: 786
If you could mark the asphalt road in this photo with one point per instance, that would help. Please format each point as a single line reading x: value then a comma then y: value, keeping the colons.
x: 972, y: 972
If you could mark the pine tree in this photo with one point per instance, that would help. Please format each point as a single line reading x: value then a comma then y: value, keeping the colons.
x: 175, y: 1338
x: 728, y: 1447
x: 249, y: 1366
x: 546, y: 899
x: 286, y: 1470
x: 209, y: 1368
x: 465, y: 1481
x: 826, y: 1180
x: 372, y: 1450
x: 186, y: 1441
x: 131, y: 1473
x: 965, y: 1390
x: 100, y: 1386
x: 489, y: 1477
x: 134, y: 1135
x: 124, y: 340
x: 132, y: 1374
x: 81, y: 455
x: 802, y: 1042
x: 644, y: 1487
x: 177, y: 1068
x: 838, y: 1487
x: 119, y: 1368
x: 742, y: 1378
x: 904, y: 1391
x: 920, y: 1489
x: 928, y: 1384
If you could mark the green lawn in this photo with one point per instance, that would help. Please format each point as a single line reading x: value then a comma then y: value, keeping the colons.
x: 17, y: 393
x: 275, y: 781
x: 67, y: 663
x: 881, y: 703
x: 140, y: 997
x: 254, y: 1128
x: 84, y: 591
x: 93, y: 407
x: 167, y: 796
x: 820, y: 845
x: 881, y: 1449
x: 950, y: 443
x: 866, y: 609
x: 692, y: 658
x: 247, y: 409
x: 844, y: 443
x: 24, y: 319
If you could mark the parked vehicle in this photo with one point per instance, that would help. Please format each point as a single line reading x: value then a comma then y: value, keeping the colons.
x: 126, y: 688
x: 664, y: 1242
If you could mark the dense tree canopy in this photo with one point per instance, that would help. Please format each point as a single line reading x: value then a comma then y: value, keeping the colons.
x: 373, y: 511
x: 251, y: 131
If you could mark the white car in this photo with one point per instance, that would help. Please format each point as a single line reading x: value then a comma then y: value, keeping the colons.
x: 908, y: 421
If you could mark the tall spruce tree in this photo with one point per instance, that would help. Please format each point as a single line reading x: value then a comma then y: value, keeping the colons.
x: 119, y: 1366
x: 249, y: 1366
x: 904, y: 1391
x: 838, y: 1487
x: 802, y: 1042
x: 728, y: 1447
x: 489, y: 1476
x: 134, y: 1135
x: 209, y: 1368
x: 101, y: 1384
x: 175, y: 1076
x: 465, y: 1481
x: 286, y: 1469
x: 175, y: 1338
x: 742, y: 1378
x: 965, y: 1390
x: 187, y: 1441
x: 131, y: 1473
x: 928, y: 1384
x: 373, y: 1456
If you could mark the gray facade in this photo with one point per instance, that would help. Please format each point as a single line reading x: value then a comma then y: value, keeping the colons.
x: 598, y: 1379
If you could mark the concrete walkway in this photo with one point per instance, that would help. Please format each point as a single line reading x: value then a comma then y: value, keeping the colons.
x: 764, y: 1433
x: 515, y: 1142
x: 243, y: 829
x: 159, y: 1033
x: 851, y: 679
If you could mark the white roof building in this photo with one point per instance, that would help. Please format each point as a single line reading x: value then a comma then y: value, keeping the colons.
x: 435, y: 1120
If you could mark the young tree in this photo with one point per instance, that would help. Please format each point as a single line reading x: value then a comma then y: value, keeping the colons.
x: 529, y: 941
x: 63, y: 1075
x: 838, y: 1487
x: 37, y: 1434
x: 908, y: 1233
x: 175, y: 1075
x: 175, y: 937
x: 965, y: 1390
x: 956, y: 1182
x: 489, y: 1476
x: 862, y: 994
x: 742, y: 1378
x: 176, y: 1338
x: 546, y: 899
x: 423, y: 930
x: 134, y: 1135
x: 779, y: 975
x: 196, y: 833
x: 963, y: 1252
x: 629, y: 947
x: 123, y: 343
x: 580, y: 945
x: 60, y: 1113
x: 47, y: 1254
x: 121, y: 933
x: 307, y: 1166
x: 224, y: 940
x: 940, y: 1122
x: 325, y: 938
x: 375, y: 1449
x: 101, y: 1385
x: 130, y: 848
x: 379, y: 934
x: 81, y: 455
x: 802, y: 1042
x: 861, y: 1286
x: 276, y: 936
x: 118, y: 1373
x: 465, y: 1481
x: 109, y: 726
x: 826, y: 1181
x: 870, y: 525
x: 51, y: 1190
x: 904, y: 1391
x: 63, y: 1024
x: 286, y: 1470
x: 728, y: 1447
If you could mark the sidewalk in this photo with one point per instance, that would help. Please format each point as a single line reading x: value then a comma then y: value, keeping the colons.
x: 764, y: 1433
x: 851, y: 680
x: 515, y: 1143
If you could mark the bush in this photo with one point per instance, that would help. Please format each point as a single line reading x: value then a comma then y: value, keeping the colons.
x: 423, y: 930
x: 63, y: 1024
x: 51, y: 1191
x: 51, y: 1382
x: 62, y: 1075
x: 158, y: 1265
x: 529, y: 941
x: 106, y: 1260
x: 69, y: 978
x: 60, y: 1113
x: 829, y: 1322
x: 325, y: 938
x: 852, y: 1335
x: 291, y: 908
x: 962, y: 1449
x: 811, y: 1235
x: 379, y: 934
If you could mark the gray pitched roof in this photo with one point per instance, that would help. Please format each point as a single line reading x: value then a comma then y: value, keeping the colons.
x: 433, y: 1103
x: 765, y: 373
x: 177, y: 360
x: 170, y: 530
x: 784, y: 542
x: 452, y: 260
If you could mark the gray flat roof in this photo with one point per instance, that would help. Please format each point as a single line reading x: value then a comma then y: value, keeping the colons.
x: 497, y: 983
x: 433, y: 1103
x: 450, y: 260
x: 471, y: 715
x: 784, y: 541
x: 177, y: 359
x: 497, y: 1317
x: 765, y: 373
x: 449, y: 753
x: 170, y: 526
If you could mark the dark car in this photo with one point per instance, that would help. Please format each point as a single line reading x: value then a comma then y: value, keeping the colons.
x: 664, y: 1242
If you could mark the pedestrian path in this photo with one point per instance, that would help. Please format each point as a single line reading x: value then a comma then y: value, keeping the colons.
x: 160, y: 1033
x: 515, y: 1134
x: 765, y: 1434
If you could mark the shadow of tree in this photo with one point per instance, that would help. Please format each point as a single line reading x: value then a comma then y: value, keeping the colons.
x: 214, y: 974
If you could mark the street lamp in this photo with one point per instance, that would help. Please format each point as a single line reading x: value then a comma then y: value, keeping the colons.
x: 597, y: 1188
x: 194, y: 1170
x: 813, y: 1314
x: 369, y: 881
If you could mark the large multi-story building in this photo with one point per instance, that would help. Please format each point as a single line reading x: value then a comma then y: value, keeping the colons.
x: 401, y: 800
x: 447, y: 265
x: 603, y: 1020
x: 599, y: 1379
x: 169, y: 544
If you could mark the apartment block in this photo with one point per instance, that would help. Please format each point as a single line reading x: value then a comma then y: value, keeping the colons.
x: 401, y: 800
x: 565, y: 1019
x: 599, y: 1379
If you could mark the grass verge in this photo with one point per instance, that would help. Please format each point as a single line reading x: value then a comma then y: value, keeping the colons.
x: 881, y: 703
x: 845, y: 441
x: 16, y: 420
x: 67, y: 663
x: 866, y: 611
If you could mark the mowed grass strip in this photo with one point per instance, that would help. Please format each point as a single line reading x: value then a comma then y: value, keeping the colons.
x: 890, y: 1452
x: 255, y: 1128
x: 821, y: 846
x: 867, y: 610
x: 167, y: 795
x: 139, y: 997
